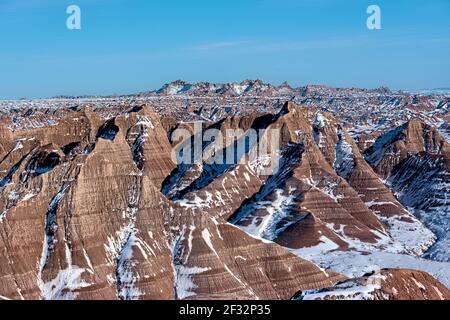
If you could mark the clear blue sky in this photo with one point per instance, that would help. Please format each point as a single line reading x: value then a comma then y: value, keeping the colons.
x: 127, y: 46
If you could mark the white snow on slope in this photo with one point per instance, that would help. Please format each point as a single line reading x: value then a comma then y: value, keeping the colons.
x: 207, y: 238
x: 67, y: 281
x: 422, y: 184
x: 408, y: 237
x: 355, y: 264
x: 18, y: 146
x: 319, y: 124
x: 145, y: 122
x: 239, y: 89
x: 268, y: 226
x: 347, y: 290
x: 345, y: 162
x: 121, y: 252
x: 65, y: 284
x: 184, y: 283
x: 324, y: 247
x: 378, y: 152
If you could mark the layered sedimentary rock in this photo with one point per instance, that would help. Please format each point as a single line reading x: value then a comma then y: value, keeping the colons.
x: 323, y: 190
x: 88, y: 222
x: 94, y: 207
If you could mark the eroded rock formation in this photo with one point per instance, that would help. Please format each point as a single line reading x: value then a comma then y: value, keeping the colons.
x: 93, y: 207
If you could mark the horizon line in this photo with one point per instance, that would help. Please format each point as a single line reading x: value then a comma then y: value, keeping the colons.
x: 137, y: 92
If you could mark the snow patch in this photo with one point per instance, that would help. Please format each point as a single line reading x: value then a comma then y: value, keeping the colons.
x: 353, y: 264
x: 184, y: 282
x: 345, y: 161
x: 324, y: 247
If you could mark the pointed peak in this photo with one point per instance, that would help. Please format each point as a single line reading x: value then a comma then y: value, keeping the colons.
x: 288, y: 107
x: 142, y: 109
x: 291, y: 106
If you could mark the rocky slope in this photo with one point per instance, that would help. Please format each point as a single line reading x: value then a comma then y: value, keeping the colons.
x: 82, y: 217
x: 93, y: 206
x: 415, y: 160
x: 323, y: 192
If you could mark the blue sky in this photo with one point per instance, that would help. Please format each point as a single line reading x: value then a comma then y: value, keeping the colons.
x: 127, y: 46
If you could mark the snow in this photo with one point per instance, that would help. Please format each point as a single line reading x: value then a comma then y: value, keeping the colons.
x: 408, y: 237
x: 320, y: 122
x: 145, y: 122
x: 172, y: 90
x: 354, y: 264
x: 237, y: 278
x: 377, y: 202
x: 405, y: 238
x: 88, y: 261
x: 240, y: 257
x: 50, y: 229
x: 418, y: 284
x: 422, y: 185
x: 13, y: 196
x: 18, y: 146
x: 444, y: 129
x: 325, y: 246
x: 28, y: 196
x: 63, y: 286
x: 197, y: 202
x: 347, y: 290
x: 272, y: 210
x: 67, y: 281
x: 352, y: 105
x: 268, y: 226
x: 378, y: 151
x: 264, y: 165
x: 121, y: 252
x: 176, y: 89
x: 329, y: 190
x: 121, y: 249
x: 184, y: 283
x: 251, y: 235
x: 190, y: 238
x: 441, y: 296
x: 239, y: 89
x: 345, y: 161
x: 207, y: 238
